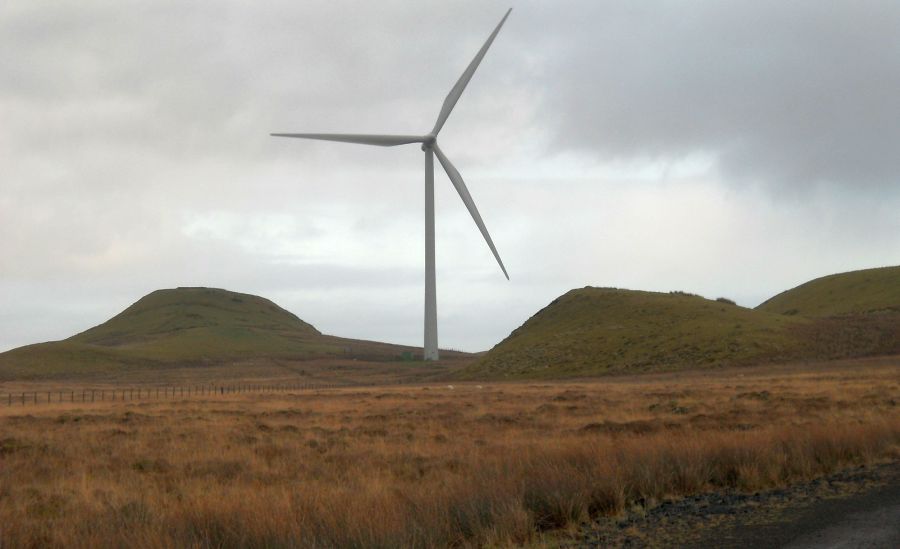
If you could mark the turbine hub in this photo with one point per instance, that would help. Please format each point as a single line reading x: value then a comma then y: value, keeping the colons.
x: 428, y: 141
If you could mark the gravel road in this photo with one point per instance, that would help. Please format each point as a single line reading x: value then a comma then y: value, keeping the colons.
x: 850, y: 509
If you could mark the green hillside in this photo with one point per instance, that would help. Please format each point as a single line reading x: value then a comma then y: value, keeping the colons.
x: 857, y: 292
x: 189, y: 326
x: 202, y: 322
x: 594, y: 331
x: 165, y: 311
x: 586, y: 332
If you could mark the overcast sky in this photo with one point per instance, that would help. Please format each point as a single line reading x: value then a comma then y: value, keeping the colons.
x: 723, y: 148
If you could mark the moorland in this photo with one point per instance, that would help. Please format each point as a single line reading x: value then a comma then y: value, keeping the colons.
x: 428, y: 464
x: 605, y: 402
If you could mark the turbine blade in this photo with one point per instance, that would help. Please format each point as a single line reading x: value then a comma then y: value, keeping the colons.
x: 463, y: 81
x: 363, y: 139
x: 460, y: 185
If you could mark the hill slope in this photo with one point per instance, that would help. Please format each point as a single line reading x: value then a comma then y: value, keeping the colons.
x: 189, y: 326
x: 856, y: 292
x: 200, y: 322
x: 593, y: 331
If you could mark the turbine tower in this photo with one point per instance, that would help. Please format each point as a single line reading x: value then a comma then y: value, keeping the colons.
x: 431, y: 148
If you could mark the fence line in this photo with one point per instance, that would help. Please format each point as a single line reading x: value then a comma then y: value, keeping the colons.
x: 166, y: 392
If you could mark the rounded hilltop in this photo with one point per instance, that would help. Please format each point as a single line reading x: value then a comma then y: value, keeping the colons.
x: 190, y: 327
x: 591, y: 331
x: 856, y: 292
x: 596, y: 331
x: 171, y: 312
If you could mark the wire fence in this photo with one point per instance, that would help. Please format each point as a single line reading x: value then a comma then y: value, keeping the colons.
x: 167, y: 392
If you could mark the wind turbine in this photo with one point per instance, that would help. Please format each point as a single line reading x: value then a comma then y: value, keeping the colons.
x: 430, y: 146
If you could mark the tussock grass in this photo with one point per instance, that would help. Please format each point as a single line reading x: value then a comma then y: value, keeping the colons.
x: 425, y: 466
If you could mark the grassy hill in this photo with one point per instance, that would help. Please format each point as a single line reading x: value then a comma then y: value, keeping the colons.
x: 594, y: 331
x: 190, y: 326
x: 586, y: 332
x: 853, y: 293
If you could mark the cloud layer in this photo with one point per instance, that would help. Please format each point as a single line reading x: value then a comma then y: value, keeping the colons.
x: 726, y: 148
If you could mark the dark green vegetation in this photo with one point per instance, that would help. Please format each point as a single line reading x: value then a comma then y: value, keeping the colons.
x: 586, y: 332
x: 190, y: 327
x: 597, y: 331
x: 858, y: 292
x: 606, y: 330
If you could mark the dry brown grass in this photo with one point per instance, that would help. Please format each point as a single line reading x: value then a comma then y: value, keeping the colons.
x: 425, y: 465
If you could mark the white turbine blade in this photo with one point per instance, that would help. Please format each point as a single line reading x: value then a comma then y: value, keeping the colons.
x: 463, y: 81
x: 460, y: 185
x: 363, y: 139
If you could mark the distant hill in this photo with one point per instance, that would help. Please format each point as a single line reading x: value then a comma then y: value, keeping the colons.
x: 202, y: 322
x: 596, y: 331
x: 857, y: 292
x: 592, y: 331
x: 190, y: 326
x: 585, y: 332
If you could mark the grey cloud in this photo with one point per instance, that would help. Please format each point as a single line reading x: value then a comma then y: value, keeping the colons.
x: 786, y: 94
x: 126, y: 122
